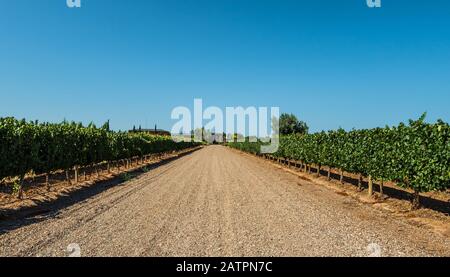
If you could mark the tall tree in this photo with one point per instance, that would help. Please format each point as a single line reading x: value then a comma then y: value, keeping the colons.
x: 106, y: 126
x: 289, y: 124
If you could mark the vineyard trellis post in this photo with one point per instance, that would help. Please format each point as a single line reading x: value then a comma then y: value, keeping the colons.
x: 370, y: 192
x: 360, y: 180
x: 76, y: 174
x: 47, y: 183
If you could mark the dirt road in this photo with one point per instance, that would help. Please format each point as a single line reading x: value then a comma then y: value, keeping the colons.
x: 217, y: 202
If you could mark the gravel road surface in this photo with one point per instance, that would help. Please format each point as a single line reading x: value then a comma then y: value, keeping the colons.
x: 218, y: 202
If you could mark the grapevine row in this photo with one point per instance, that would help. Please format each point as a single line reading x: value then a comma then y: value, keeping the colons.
x: 414, y: 155
x: 45, y: 147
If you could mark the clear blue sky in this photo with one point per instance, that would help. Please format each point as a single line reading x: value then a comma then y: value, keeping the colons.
x: 333, y: 63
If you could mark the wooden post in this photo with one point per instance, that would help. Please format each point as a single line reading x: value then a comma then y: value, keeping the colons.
x: 76, y: 175
x: 360, y: 179
x: 318, y: 170
x: 21, y: 182
x: 381, y: 188
x: 47, y: 184
x: 329, y: 174
x: 108, y: 167
x: 341, y: 179
x: 370, y: 186
x: 415, y: 201
x: 67, y: 177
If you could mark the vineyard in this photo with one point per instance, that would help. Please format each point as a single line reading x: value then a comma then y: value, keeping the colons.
x: 44, y: 147
x: 414, y: 156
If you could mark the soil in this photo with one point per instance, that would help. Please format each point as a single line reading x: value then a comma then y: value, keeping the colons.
x: 220, y: 202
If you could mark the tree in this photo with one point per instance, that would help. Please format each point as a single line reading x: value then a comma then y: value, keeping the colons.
x: 289, y: 124
x: 105, y: 126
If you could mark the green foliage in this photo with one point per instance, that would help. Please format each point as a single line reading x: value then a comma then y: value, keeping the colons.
x: 415, y: 156
x: 126, y: 177
x: 46, y: 147
x: 16, y: 187
x: 289, y: 124
x: 247, y: 146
